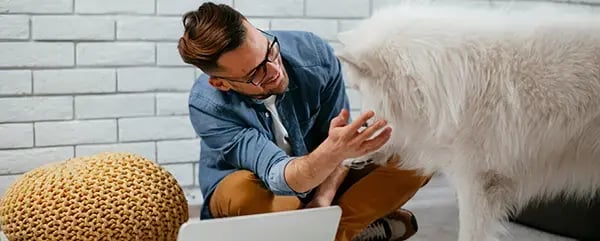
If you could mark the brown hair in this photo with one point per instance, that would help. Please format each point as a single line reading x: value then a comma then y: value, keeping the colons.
x: 210, y: 31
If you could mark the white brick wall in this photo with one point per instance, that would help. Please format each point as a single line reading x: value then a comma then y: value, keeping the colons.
x: 172, y: 104
x: 155, y: 79
x: 270, y: 8
x: 79, y: 77
x: 149, y: 28
x: 113, y: 106
x: 74, y: 81
x: 167, y: 55
x: 155, y: 128
x: 18, y: 161
x: 15, y: 82
x: 146, y: 149
x: 36, y: 108
x: 72, y: 28
x: 36, y: 54
x: 21, y: 135
x: 115, y: 6
x: 59, y: 133
x: 115, y: 54
x: 14, y: 27
x: 36, y: 6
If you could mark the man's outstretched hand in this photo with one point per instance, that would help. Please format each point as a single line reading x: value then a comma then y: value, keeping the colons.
x: 346, y: 141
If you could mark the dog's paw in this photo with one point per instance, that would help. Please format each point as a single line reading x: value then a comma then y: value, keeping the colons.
x: 357, y: 163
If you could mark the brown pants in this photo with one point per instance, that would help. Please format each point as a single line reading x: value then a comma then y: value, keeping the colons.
x: 364, y: 196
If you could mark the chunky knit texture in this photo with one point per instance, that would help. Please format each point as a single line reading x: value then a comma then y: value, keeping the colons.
x: 110, y: 196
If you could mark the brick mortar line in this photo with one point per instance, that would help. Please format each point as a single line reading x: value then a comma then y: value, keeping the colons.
x: 94, y: 119
x: 94, y: 94
x: 117, y: 129
x: 156, y: 7
x: 117, y: 41
x: 77, y: 41
x: 99, y: 144
x: 156, y: 151
x: 98, y: 94
x: 133, y: 15
x: 155, y: 95
x: 30, y: 22
x: 102, y: 118
x: 156, y: 14
x: 32, y: 84
x: 74, y: 117
x: 83, y: 67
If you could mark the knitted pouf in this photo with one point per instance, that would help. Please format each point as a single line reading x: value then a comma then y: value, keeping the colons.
x: 111, y: 196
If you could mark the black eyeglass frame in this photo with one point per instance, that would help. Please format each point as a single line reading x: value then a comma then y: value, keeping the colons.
x: 263, y: 64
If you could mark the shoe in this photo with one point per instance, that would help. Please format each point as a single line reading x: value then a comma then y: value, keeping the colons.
x: 397, y: 226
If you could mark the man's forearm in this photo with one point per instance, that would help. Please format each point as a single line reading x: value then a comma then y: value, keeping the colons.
x: 307, y: 172
x: 329, y: 187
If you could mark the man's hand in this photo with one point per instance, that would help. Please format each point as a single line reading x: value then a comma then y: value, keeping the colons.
x: 346, y: 141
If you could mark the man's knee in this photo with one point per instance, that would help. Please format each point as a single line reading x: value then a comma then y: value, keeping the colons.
x: 240, y: 193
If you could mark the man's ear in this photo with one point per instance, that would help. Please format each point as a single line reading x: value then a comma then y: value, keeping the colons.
x: 219, y: 84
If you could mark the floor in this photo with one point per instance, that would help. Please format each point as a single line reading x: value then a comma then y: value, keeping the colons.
x: 437, y: 214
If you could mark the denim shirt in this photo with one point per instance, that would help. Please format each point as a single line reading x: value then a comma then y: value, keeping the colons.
x: 235, y: 131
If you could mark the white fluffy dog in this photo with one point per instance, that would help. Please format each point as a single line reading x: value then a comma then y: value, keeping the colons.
x: 506, y: 104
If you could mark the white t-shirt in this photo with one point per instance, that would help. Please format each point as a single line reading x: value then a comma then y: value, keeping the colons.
x: 281, y: 134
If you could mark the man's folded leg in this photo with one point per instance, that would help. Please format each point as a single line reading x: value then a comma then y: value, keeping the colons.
x: 242, y: 193
x: 375, y: 199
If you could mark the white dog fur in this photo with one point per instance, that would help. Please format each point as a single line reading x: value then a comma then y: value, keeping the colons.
x: 506, y: 104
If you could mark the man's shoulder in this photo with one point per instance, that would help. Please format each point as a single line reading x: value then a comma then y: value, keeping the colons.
x: 297, y: 35
x: 303, y: 48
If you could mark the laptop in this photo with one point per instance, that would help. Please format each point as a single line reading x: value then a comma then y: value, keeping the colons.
x: 314, y: 224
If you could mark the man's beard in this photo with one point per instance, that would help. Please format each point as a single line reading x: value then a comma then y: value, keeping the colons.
x: 264, y: 95
x: 270, y: 92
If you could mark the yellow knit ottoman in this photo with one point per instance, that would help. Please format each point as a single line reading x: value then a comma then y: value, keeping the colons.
x: 111, y: 196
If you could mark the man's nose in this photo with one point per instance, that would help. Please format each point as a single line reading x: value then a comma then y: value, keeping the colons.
x: 272, y: 69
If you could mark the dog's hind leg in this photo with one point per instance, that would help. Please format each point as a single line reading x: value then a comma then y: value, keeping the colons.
x: 483, y: 201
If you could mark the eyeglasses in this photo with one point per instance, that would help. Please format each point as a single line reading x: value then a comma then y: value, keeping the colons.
x: 258, y: 73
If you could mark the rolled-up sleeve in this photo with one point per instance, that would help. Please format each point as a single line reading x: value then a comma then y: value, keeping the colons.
x: 242, y: 147
x: 277, y: 182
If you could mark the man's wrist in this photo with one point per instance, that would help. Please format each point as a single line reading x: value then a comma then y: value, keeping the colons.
x: 277, y: 179
x: 323, y: 152
x: 307, y: 172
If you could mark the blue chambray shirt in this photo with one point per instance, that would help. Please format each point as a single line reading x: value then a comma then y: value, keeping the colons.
x: 236, y: 131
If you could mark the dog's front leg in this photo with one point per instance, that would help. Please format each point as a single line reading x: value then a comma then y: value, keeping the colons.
x: 483, y: 201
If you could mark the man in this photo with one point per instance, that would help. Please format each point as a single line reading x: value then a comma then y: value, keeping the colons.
x: 272, y: 114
